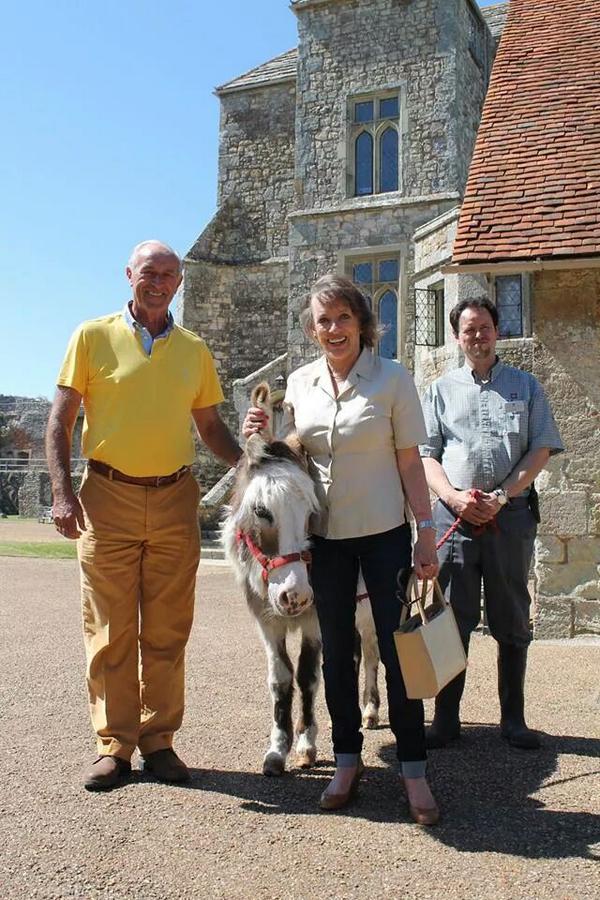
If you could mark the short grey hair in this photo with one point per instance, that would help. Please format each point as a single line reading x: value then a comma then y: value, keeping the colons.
x: 160, y: 245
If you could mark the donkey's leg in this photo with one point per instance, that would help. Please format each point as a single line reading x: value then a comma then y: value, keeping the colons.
x: 370, y: 652
x: 281, y: 686
x: 307, y: 676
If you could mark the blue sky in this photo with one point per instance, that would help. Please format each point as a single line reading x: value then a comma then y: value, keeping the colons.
x: 110, y: 136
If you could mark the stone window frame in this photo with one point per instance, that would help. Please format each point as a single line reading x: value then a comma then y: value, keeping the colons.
x: 526, y: 326
x: 347, y: 258
x: 353, y: 129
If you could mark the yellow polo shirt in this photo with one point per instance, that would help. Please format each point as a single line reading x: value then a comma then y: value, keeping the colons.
x: 137, y: 407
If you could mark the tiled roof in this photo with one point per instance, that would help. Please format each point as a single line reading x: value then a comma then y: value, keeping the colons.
x: 281, y: 68
x: 495, y: 16
x: 534, y: 182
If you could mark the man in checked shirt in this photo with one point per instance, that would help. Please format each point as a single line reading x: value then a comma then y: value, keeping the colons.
x: 490, y: 432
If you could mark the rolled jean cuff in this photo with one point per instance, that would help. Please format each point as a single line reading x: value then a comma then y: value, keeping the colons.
x: 414, y: 768
x: 346, y: 760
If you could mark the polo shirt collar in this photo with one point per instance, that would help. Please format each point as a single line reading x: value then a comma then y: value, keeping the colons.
x: 134, y: 325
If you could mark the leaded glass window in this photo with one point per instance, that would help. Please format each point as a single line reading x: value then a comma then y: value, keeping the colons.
x: 388, y: 316
x: 388, y: 164
x: 375, y: 144
x: 364, y: 164
x: 378, y: 278
x: 363, y: 112
x: 509, y: 303
x: 429, y: 316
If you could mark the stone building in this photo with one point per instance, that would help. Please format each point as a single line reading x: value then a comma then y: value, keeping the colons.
x: 352, y: 152
x: 330, y: 157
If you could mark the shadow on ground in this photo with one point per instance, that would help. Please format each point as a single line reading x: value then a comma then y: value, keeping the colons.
x: 483, y: 786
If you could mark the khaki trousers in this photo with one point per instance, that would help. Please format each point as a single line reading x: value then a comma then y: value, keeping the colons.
x: 138, y: 558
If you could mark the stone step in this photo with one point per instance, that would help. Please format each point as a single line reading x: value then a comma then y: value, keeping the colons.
x: 212, y: 549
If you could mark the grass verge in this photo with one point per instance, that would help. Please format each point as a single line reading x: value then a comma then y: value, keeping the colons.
x: 33, y: 549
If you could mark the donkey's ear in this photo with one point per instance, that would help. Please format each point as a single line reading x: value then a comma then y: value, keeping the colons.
x: 255, y: 450
x: 261, y: 397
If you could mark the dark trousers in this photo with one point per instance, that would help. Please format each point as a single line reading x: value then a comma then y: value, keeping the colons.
x: 500, y: 556
x: 334, y: 574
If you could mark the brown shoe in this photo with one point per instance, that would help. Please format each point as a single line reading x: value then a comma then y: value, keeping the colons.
x: 106, y: 773
x: 331, y: 801
x: 422, y: 815
x: 429, y: 816
x: 166, y: 766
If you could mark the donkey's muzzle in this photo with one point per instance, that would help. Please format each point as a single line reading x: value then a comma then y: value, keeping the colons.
x: 292, y: 603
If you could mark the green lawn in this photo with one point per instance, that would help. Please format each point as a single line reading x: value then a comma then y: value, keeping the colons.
x: 48, y: 550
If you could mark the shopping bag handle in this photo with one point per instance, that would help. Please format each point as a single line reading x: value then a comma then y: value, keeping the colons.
x: 413, y: 596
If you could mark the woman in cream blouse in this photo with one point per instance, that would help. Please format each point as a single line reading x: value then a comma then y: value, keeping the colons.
x: 359, y: 420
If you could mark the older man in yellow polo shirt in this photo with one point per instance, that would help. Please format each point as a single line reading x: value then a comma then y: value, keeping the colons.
x: 142, y: 379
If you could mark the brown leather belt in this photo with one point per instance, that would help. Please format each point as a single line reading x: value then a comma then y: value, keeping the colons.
x: 147, y: 481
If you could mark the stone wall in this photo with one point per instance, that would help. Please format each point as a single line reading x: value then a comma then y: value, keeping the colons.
x: 240, y: 311
x: 564, y: 356
x: 473, y: 71
x: 256, y: 166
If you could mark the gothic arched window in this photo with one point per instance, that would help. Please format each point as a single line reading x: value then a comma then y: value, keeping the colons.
x: 364, y: 164
x: 378, y: 277
x: 388, y: 160
x: 388, y: 317
x: 375, y: 145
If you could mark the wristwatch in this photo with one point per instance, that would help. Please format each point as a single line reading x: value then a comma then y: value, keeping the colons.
x: 425, y: 523
x: 501, y: 496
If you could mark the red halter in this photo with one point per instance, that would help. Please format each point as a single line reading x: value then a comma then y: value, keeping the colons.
x: 268, y: 563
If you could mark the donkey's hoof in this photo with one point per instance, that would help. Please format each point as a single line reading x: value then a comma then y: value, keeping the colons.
x: 370, y: 721
x: 306, y: 759
x: 273, y: 764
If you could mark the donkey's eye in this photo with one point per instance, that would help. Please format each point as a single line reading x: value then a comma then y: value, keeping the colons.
x: 263, y: 513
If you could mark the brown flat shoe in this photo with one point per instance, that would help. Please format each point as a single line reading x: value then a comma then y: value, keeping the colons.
x: 422, y: 815
x: 106, y: 773
x: 166, y: 766
x: 331, y: 801
x: 429, y: 816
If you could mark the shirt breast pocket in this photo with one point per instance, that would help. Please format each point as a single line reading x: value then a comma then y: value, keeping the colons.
x: 515, y: 416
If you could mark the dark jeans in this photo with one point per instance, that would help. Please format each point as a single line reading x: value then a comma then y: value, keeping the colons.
x: 334, y: 574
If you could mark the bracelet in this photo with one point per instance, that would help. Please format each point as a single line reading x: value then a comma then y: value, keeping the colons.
x: 425, y: 523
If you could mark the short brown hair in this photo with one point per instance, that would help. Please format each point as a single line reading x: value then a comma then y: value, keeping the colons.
x: 481, y: 302
x: 337, y: 287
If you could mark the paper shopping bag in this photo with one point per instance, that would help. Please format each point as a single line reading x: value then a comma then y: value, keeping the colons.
x: 428, y: 643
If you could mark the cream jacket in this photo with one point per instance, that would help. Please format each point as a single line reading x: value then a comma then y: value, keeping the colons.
x: 351, y: 441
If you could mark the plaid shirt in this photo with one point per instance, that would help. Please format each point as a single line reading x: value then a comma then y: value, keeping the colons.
x: 479, y: 430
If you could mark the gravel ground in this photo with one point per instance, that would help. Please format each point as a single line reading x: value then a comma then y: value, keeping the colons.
x: 515, y: 824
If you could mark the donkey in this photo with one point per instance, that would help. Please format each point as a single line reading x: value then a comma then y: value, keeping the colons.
x: 265, y: 536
